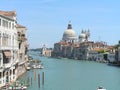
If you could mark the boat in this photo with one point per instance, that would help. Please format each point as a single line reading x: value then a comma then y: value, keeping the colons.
x: 17, y: 88
x: 28, y: 68
x: 114, y: 64
x: 40, y: 66
x: 101, y: 88
x: 59, y: 57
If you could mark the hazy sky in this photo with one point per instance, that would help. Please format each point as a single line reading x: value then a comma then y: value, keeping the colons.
x: 46, y: 20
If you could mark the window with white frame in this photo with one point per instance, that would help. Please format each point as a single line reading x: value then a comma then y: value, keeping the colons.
x: 3, y: 23
x: 12, y: 25
x: 9, y: 25
x: 0, y: 38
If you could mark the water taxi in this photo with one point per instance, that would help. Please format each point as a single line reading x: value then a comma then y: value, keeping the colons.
x: 40, y: 66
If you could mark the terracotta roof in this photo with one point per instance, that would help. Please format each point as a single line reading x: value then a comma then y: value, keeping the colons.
x: 20, y: 26
x: 110, y: 47
x: 63, y: 43
x: 8, y: 13
x: 67, y: 44
x: 98, y: 49
x: 77, y: 45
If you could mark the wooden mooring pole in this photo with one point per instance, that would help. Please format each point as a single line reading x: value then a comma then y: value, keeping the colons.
x: 31, y: 80
x: 28, y: 81
x: 42, y: 78
x: 34, y: 74
x: 39, y: 80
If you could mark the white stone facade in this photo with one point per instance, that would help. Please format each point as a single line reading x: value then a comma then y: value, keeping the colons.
x: 111, y: 57
x: 45, y: 51
x: 118, y: 53
x: 23, y: 48
x: 8, y: 47
x: 100, y: 56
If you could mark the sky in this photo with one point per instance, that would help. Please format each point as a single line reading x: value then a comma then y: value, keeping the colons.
x: 46, y: 20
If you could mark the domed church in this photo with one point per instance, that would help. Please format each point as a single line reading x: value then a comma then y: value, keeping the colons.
x: 70, y: 44
x: 69, y: 35
x: 80, y: 47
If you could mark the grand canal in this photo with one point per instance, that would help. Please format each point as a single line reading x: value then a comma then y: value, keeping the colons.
x: 68, y: 74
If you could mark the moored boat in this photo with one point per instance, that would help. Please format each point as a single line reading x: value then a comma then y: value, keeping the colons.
x: 17, y: 88
x: 28, y: 68
x: 101, y: 88
x: 40, y: 66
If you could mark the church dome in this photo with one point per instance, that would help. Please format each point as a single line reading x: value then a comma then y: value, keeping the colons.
x: 82, y: 35
x: 69, y: 34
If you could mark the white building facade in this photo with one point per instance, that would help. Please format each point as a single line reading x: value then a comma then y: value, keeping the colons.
x: 8, y: 47
x: 118, y: 53
x: 111, y: 57
x: 23, y: 48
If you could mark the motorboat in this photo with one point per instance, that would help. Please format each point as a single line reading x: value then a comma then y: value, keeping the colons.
x: 40, y: 66
x: 17, y: 88
x: 28, y: 68
x: 101, y: 88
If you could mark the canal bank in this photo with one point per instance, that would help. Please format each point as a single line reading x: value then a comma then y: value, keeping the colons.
x: 68, y: 74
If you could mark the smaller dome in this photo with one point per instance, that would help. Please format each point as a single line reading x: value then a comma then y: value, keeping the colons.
x: 82, y: 35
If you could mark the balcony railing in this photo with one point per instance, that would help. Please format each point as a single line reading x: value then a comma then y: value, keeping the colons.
x: 7, y: 65
x: 8, y: 47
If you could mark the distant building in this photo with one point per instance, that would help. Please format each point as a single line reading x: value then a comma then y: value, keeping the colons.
x: 70, y: 46
x: 78, y: 48
x: 111, y: 57
x: 45, y: 51
x: 23, y: 48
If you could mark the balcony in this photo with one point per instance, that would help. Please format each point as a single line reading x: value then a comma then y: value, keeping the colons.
x: 5, y: 47
x: 8, y: 47
x: 7, y: 65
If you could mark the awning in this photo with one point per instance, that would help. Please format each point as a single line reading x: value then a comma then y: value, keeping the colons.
x: 7, y: 53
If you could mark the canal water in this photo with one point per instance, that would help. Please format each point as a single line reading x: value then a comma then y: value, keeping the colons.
x: 68, y: 74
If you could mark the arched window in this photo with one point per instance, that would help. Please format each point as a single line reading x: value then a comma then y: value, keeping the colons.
x: 0, y: 75
x: 3, y: 73
x: 0, y: 22
x: 0, y: 35
x: 10, y: 72
x: 13, y: 71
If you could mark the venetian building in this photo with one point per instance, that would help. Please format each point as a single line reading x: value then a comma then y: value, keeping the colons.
x: 8, y: 47
x: 64, y: 48
x: 69, y: 35
x: 45, y: 51
x: 59, y: 49
x: 23, y: 48
x: 118, y: 54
